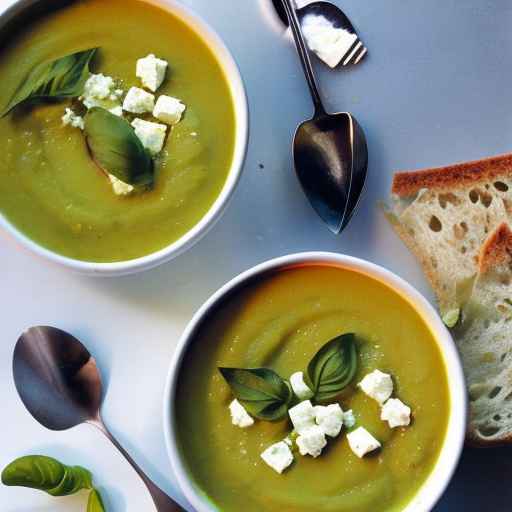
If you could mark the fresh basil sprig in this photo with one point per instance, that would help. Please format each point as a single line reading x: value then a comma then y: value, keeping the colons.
x: 267, y: 396
x: 261, y: 391
x: 61, y: 78
x: 51, y: 476
x: 116, y: 149
x: 333, y: 367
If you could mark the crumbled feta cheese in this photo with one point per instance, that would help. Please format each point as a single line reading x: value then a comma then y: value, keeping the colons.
x: 119, y: 187
x: 72, y: 119
x: 138, y: 101
x: 98, y: 92
x: 377, y: 385
x: 151, y: 71
x: 278, y: 456
x: 349, y: 420
x: 328, y: 42
x: 396, y: 413
x: 152, y: 135
x: 239, y: 416
x: 99, y: 86
x: 362, y: 442
x: 311, y: 441
x: 117, y: 111
x: 288, y: 441
x: 168, y: 109
x: 300, y: 388
x: 302, y: 416
x: 329, y: 418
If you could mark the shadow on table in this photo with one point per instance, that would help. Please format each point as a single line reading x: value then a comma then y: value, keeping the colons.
x: 481, y: 472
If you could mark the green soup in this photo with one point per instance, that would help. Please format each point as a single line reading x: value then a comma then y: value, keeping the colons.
x: 280, y: 322
x: 49, y: 187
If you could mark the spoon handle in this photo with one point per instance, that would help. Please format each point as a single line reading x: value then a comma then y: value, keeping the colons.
x: 304, y: 56
x: 162, y: 502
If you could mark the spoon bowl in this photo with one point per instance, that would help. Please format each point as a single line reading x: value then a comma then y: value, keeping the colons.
x: 330, y: 157
x: 56, y: 378
x: 60, y: 385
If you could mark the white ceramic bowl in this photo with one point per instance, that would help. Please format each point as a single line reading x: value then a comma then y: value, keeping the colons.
x: 436, y: 483
x: 10, y: 9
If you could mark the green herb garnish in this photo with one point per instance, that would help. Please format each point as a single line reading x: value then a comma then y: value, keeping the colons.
x: 451, y: 318
x: 116, y: 149
x: 333, y: 367
x: 95, y: 503
x: 58, y: 79
x: 267, y: 396
x: 261, y: 391
x: 51, y: 476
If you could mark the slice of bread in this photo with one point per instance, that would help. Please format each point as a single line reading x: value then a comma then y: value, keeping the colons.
x: 444, y: 215
x: 484, y: 338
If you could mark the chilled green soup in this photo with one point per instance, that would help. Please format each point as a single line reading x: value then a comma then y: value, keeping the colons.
x: 50, y: 188
x: 280, y: 322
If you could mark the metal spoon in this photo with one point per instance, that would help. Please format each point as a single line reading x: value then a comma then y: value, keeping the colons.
x: 59, y: 383
x: 355, y: 49
x: 329, y: 151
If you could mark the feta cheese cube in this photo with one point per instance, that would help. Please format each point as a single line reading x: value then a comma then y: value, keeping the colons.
x: 311, y: 441
x: 300, y: 388
x: 377, y: 385
x: 138, y: 101
x: 362, y: 442
x: 72, y: 119
x: 329, y: 418
x: 152, y: 135
x: 349, y: 420
x: 302, y: 416
x: 119, y: 187
x: 151, y: 71
x: 278, y: 456
x: 396, y: 413
x: 168, y: 109
x: 239, y: 416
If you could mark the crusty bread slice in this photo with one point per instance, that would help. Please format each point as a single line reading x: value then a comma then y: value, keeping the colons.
x: 444, y: 215
x: 484, y: 338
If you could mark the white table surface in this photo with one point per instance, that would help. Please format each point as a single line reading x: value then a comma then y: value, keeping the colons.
x: 434, y: 89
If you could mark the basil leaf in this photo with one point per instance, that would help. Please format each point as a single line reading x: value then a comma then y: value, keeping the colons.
x: 261, y: 391
x: 46, y: 474
x: 75, y: 479
x: 116, y: 149
x: 95, y: 503
x: 58, y: 79
x: 333, y: 367
x: 34, y: 471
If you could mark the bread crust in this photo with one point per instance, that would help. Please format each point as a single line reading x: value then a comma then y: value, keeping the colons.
x: 461, y: 175
x: 497, y: 249
x: 478, y: 442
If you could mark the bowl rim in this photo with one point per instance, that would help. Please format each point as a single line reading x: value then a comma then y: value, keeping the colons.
x: 229, y: 66
x: 440, y: 476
